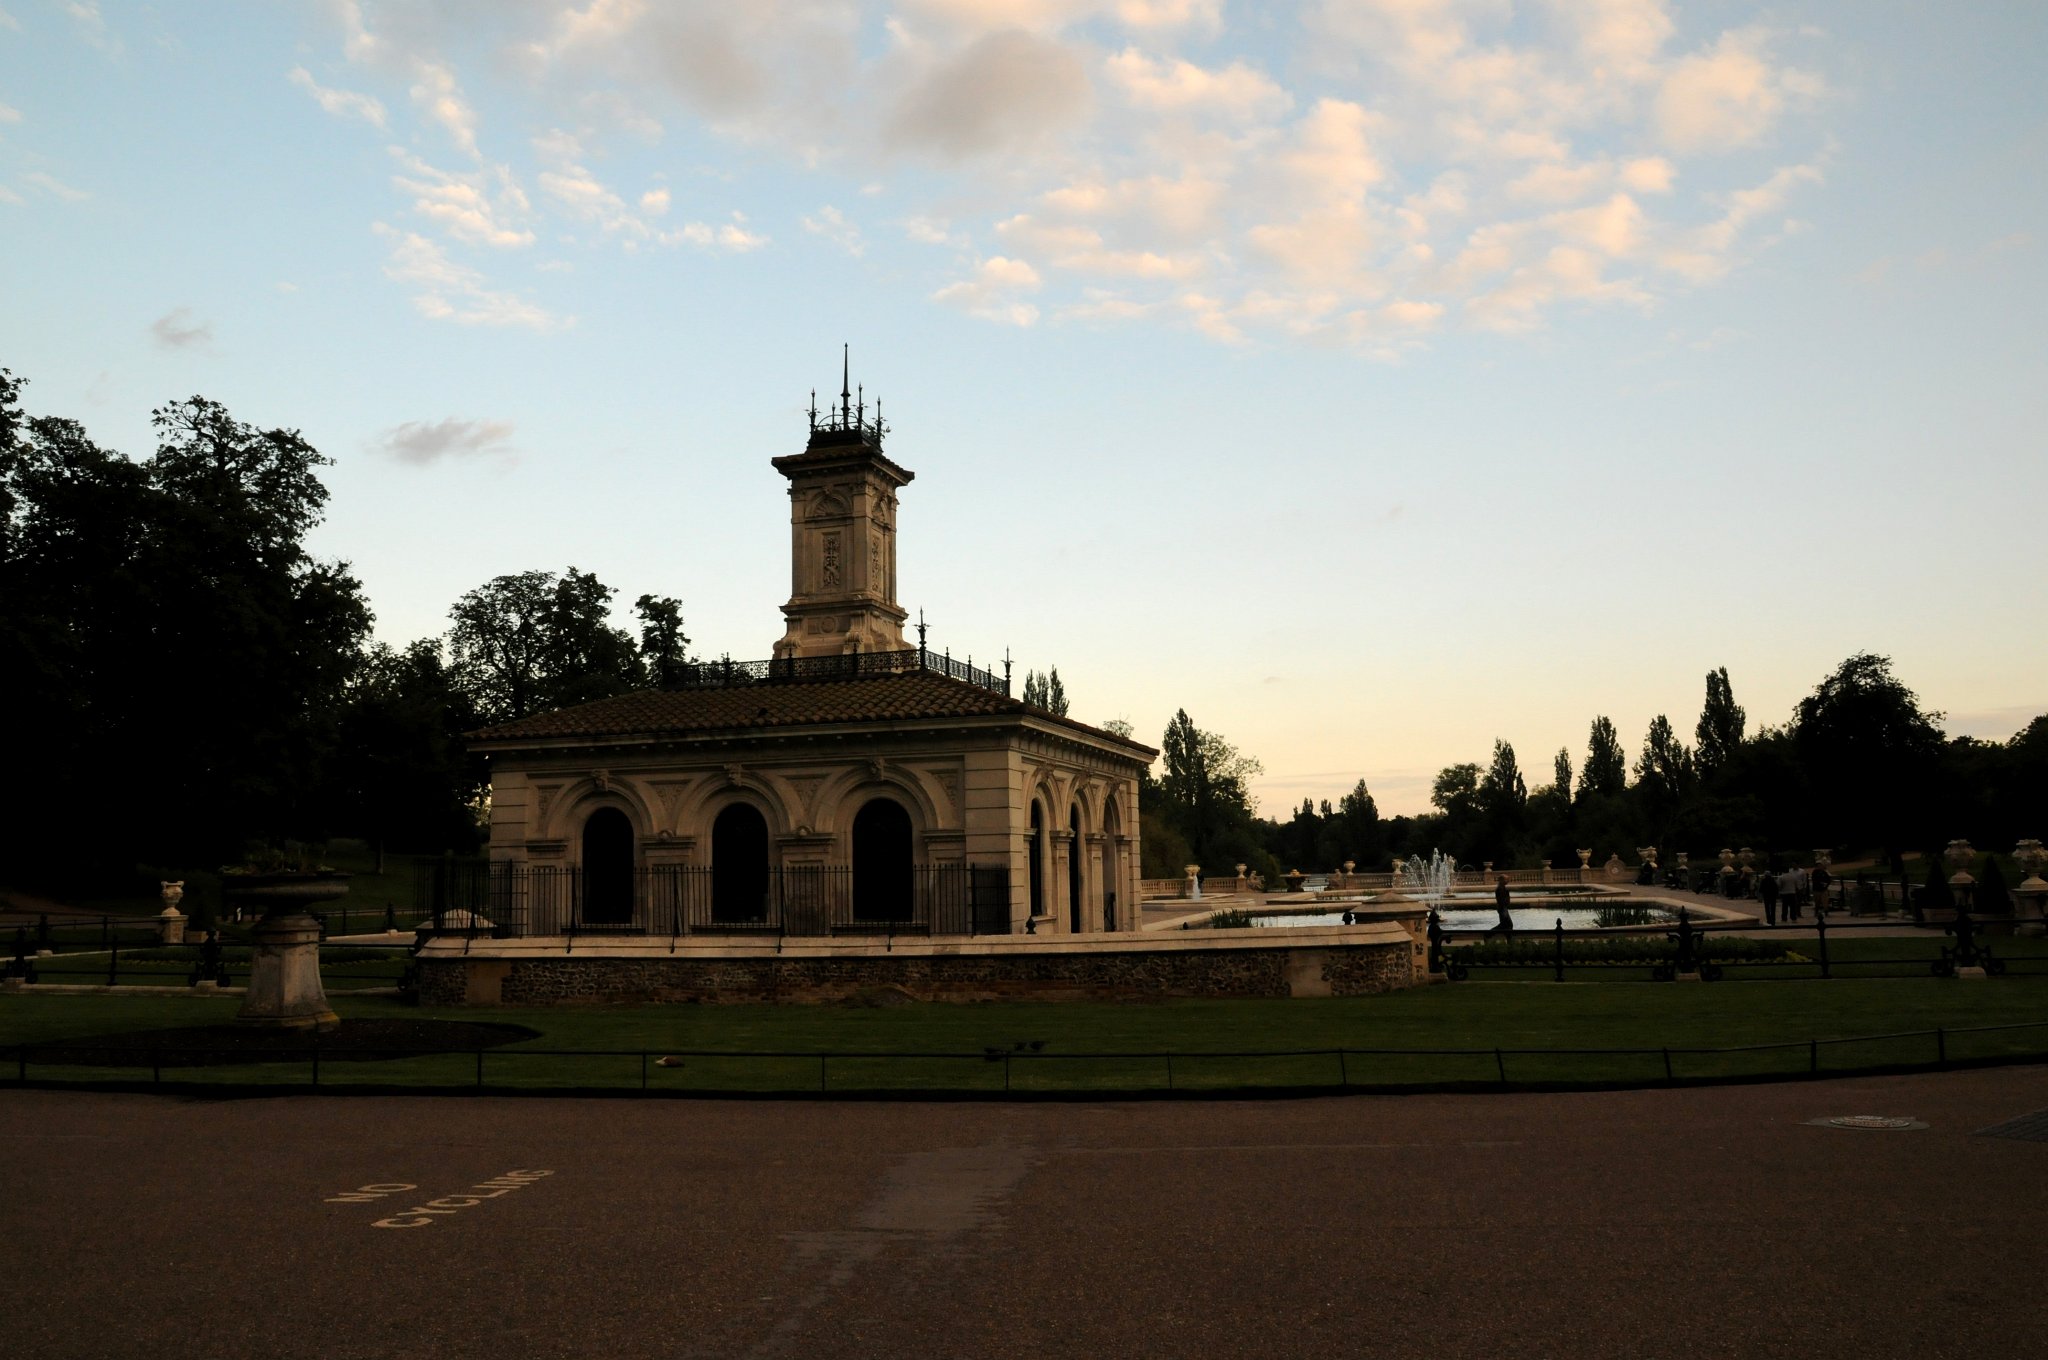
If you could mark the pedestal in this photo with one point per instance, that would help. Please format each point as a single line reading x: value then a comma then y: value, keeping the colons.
x: 284, y: 976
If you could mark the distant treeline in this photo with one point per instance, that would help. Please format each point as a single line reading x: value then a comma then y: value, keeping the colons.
x: 1858, y: 766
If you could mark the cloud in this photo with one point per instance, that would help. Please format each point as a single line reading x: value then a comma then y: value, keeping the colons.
x: 420, y: 442
x: 92, y: 25
x: 482, y: 206
x: 340, y: 103
x: 9, y: 114
x: 1357, y: 173
x: 992, y: 292
x: 54, y: 187
x: 833, y: 225
x: 8, y: 195
x: 1727, y: 97
x: 1003, y: 91
x: 176, y: 329
x: 1173, y: 85
x: 447, y: 291
x: 733, y: 237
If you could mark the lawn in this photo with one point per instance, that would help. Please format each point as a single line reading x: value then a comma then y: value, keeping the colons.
x: 1080, y: 1046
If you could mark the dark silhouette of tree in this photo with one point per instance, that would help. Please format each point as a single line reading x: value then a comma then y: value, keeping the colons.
x: 1870, y: 753
x: 663, y: 648
x: 536, y: 641
x: 1044, y: 690
x: 1205, y: 791
x: 1720, y: 729
x: 1606, y: 768
x: 1561, y: 774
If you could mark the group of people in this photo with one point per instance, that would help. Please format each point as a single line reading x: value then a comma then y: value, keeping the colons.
x: 1794, y: 890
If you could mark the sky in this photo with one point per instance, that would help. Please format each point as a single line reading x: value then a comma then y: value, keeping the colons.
x: 1372, y: 379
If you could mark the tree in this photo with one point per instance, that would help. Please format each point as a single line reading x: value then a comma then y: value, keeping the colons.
x: 1205, y: 792
x: 1119, y: 727
x: 1045, y: 691
x: 166, y: 616
x: 1665, y: 764
x: 1720, y: 729
x: 1455, y: 793
x: 1358, y: 821
x: 402, y: 777
x: 1606, y: 769
x: 1870, y: 752
x: 536, y: 641
x: 663, y: 648
x: 1502, y: 792
x: 1561, y: 774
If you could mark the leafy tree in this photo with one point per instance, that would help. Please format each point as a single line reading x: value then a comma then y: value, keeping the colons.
x: 1561, y: 774
x: 1118, y: 727
x: 1358, y: 822
x: 1044, y: 690
x: 663, y: 648
x: 402, y: 778
x: 166, y: 616
x: 1719, y: 733
x: 1205, y: 792
x: 1606, y: 768
x: 1869, y: 751
x: 1502, y: 792
x: 536, y: 641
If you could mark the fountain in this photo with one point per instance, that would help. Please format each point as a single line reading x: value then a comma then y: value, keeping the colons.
x: 1426, y: 881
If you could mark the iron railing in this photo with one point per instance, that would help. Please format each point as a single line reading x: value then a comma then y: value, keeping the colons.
x: 1025, y: 1069
x: 725, y: 673
x: 512, y: 901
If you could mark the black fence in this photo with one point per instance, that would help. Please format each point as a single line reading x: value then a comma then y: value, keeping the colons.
x: 512, y: 901
x: 725, y: 673
x: 1023, y: 1069
x: 1742, y: 951
x: 344, y: 967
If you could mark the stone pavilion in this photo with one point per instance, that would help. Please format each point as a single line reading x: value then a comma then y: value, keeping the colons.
x: 852, y: 783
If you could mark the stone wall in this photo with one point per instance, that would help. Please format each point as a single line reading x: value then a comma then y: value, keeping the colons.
x: 1348, y: 969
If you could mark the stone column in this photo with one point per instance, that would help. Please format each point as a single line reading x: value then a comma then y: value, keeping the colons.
x: 170, y: 922
x: 2030, y: 898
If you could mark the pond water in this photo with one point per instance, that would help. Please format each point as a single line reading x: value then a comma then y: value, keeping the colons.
x: 1473, y: 918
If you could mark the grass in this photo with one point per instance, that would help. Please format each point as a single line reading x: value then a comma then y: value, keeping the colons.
x: 1088, y: 1046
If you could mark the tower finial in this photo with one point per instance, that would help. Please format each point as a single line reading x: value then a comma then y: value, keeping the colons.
x: 845, y: 380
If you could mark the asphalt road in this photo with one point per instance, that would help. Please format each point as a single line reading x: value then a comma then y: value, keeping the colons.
x: 1707, y: 1222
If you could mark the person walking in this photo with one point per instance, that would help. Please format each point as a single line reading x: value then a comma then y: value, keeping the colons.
x: 1788, y: 893
x: 1501, y: 898
x: 1820, y: 878
x: 1767, y: 893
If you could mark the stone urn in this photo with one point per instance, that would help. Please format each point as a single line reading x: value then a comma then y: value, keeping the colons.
x: 170, y: 922
x: 1585, y: 864
x: 1294, y: 878
x: 1962, y: 884
x: 2030, y: 898
x: 284, y: 970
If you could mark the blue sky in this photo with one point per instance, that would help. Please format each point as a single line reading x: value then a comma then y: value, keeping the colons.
x: 1372, y: 378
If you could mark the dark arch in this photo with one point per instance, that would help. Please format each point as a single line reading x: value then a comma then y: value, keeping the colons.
x: 739, y: 864
x: 1074, y: 875
x: 1035, y: 848
x: 881, y: 862
x: 607, y: 869
x: 1112, y: 859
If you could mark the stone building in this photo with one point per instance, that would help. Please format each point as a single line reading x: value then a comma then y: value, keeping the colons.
x: 852, y: 783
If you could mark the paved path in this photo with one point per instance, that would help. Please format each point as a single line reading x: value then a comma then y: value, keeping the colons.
x: 1627, y: 1224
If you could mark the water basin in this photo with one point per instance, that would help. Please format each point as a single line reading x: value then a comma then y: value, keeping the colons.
x: 1475, y: 918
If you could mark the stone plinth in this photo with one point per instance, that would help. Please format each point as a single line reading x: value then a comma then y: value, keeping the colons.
x: 285, y: 991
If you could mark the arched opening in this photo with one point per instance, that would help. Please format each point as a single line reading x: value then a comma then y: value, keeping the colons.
x: 1035, y: 851
x: 1112, y: 861
x: 881, y: 862
x: 739, y: 864
x: 1075, y: 874
x: 607, y: 869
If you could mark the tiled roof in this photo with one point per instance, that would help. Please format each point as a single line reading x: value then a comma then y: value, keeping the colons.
x: 690, y: 712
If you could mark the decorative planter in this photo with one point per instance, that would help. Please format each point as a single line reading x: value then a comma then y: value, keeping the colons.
x: 284, y: 970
